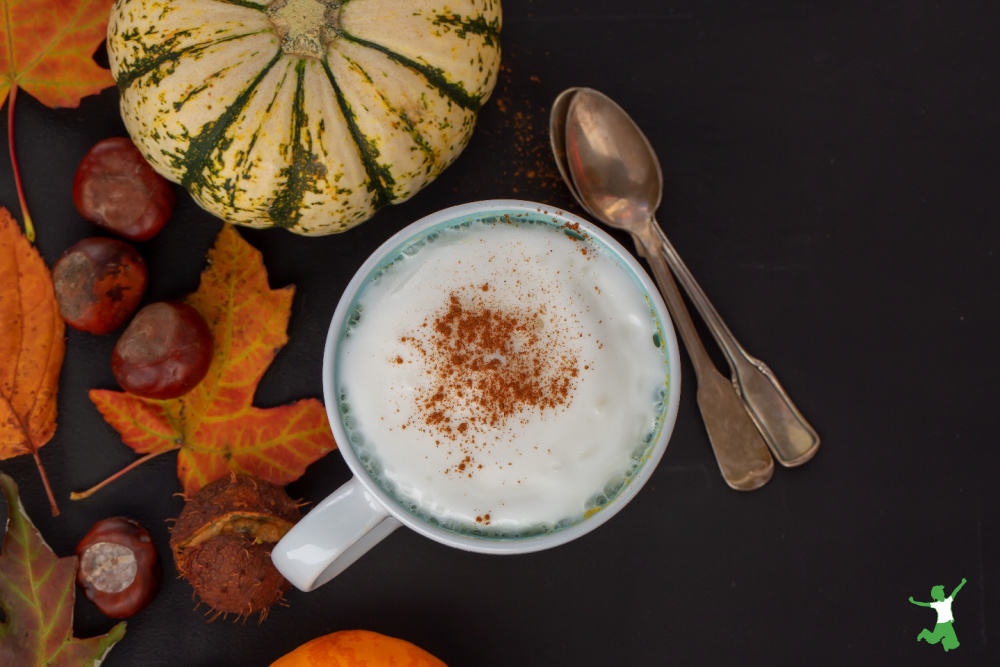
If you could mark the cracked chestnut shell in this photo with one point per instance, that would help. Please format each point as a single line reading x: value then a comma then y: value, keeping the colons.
x: 99, y: 283
x: 119, y: 570
x: 222, y: 544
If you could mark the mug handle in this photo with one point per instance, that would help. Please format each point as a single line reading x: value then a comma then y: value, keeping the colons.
x: 337, y: 532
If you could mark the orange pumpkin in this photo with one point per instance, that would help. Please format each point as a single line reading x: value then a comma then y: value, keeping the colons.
x: 358, y: 648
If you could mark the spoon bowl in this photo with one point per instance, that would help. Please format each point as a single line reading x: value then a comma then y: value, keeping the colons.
x: 614, y: 168
x: 557, y: 137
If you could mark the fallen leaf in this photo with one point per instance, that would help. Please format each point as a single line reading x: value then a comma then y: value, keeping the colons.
x: 47, y: 48
x: 37, y: 591
x: 32, y: 344
x: 215, y: 427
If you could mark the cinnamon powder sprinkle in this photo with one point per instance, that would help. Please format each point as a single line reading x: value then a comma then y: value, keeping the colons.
x: 488, y: 364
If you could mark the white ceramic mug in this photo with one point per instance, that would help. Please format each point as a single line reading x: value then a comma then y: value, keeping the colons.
x: 360, y: 514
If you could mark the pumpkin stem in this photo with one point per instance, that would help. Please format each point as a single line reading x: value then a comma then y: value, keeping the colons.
x: 306, y: 27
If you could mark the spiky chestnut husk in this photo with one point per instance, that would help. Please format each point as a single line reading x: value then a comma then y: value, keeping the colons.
x: 222, y: 544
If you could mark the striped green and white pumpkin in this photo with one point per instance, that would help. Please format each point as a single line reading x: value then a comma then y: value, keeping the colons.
x: 303, y: 114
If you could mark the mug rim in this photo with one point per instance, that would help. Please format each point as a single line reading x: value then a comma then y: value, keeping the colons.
x: 487, y: 543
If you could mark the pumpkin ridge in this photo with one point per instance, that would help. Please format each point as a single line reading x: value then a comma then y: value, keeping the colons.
x: 242, y: 158
x: 245, y: 3
x: 304, y: 170
x: 415, y: 134
x: 209, y: 80
x: 411, y: 129
x: 488, y: 30
x: 158, y: 55
x: 380, y: 180
x: 433, y: 75
x: 179, y: 104
x: 195, y: 159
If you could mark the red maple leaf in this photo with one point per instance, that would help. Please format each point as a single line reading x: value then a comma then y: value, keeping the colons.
x: 215, y: 427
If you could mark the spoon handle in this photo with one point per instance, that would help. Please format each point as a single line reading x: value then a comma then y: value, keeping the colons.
x: 741, y: 453
x: 790, y: 437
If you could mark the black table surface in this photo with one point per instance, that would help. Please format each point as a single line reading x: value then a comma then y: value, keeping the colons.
x: 832, y: 178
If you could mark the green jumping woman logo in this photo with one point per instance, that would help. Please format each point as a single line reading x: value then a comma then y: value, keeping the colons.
x: 943, y: 631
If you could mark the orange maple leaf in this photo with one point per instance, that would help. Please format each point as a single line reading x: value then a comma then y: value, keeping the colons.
x: 215, y: 426
x: 32, y: 345
x: 47, y: 48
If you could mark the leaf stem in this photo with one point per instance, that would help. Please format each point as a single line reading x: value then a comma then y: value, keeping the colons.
x: 21, y: 423
x: 80, y: 495
x: 29, y: 229
x: 45, y: 483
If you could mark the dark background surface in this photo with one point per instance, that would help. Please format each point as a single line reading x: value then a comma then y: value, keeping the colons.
x: 832, y: 175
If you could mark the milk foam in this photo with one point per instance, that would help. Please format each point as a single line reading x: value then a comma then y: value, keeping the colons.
x: 584, y: 328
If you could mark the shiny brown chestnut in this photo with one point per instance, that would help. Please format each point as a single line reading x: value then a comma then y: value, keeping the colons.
x: 119, y: 570
x: 99, y: 283
x: 116, y: 189
x: 164, y: 352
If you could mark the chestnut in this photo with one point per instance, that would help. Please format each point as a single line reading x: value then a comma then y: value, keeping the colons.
x: 117, y: 190
x: 222, y: 543
x: 119, y: 569
x: 164, y: 352
x: 99, y: 283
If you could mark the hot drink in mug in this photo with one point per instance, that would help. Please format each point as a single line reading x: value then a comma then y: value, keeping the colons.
x: 500, y: 377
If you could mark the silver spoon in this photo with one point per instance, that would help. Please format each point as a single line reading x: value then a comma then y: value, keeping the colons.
x: 741, y: 453
x: 613, y: 172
